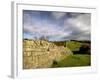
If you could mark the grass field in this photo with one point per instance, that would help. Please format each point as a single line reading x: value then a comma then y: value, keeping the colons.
x: 74, y: 61
x: 73, y: 45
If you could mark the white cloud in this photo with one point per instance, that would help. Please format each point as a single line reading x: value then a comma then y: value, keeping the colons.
x: 58, y: 15
x: 47, y: 30
x: 43, y: 27
x: 79, y: 25
x: 75, y: 27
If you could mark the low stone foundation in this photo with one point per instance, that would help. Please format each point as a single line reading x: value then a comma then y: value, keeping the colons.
x: 41, y: 53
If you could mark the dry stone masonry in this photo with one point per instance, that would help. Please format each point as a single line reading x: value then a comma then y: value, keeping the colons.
x: 42, y: 53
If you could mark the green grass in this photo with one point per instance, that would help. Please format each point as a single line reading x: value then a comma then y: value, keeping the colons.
x: 74, y: 61
x: 73, y: 45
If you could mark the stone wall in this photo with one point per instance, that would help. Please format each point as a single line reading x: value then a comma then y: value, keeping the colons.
x: 41, y: 53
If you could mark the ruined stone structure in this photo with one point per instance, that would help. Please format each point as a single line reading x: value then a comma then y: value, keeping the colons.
x: 42, y: 53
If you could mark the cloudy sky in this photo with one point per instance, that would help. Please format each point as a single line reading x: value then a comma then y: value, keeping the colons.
x: 56, y: 26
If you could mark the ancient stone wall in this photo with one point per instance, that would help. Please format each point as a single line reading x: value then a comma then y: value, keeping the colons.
x: 41, y: 53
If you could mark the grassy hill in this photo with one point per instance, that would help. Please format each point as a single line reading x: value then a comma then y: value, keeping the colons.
x: 74, y: 61
x: 73, y: 45
x: 80, y: 57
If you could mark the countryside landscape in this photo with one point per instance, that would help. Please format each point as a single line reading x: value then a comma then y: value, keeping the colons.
x: 45, y: 54
x: 56, y: 39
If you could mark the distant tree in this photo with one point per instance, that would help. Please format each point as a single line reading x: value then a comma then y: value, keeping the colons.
x: 85, y: 49
x: 43, y: 38
x: 25, y: 39
x: 35, y: 38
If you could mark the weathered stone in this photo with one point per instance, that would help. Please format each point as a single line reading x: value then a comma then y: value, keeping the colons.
x: 41, y: 53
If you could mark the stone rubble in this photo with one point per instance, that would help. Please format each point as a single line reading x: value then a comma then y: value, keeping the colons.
x: 42, y: 53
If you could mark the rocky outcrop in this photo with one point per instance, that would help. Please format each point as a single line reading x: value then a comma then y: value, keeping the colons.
x: 42, y: 53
